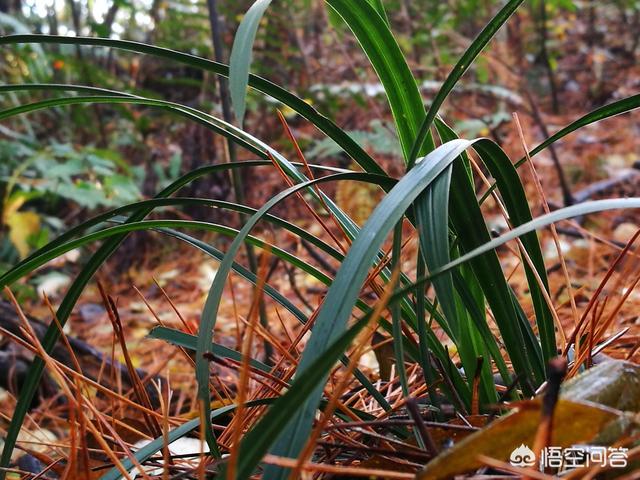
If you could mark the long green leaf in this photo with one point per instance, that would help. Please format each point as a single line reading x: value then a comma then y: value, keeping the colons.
x: 470, y: 294
x: 396, y: 321
x: 188, y: 341
x: 43, y: 255
x: 466, y: 317
x: 241, y: 54
x: 209, y: 121
x: 432, y: 212
x: 344, y: 291
x: 514, y: 199
x: 61, y: 87
x: 156, y: 445
x: 615, y: 108
x: 387, y: 59
x: 565, y: 213
x: 458, y: 70
x: 423, y: 332
x: 163, y: 226
x: 379, y: 7
x: 104, y: 252
x: 94, y: 90
x: 240, y: 270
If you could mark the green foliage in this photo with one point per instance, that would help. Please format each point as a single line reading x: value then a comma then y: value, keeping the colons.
x: 241, y: 54
x: 54, y: 175
x: 379, y: 139
x: 436, y: 196
x: 89, y: 177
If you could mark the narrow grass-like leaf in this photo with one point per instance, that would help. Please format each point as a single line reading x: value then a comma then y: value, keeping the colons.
x: 477, y: 362
x: 287, y: 305
x: 423, y: 331
x: 104, y: 252
x: 458, y: 70
x: 344, y: 291
x: 378, y: 5
x: 241, y: 54
x: 60, y: 87
x: 160, y: 224
x: 211, y: 122
x: 387, y: 59
x: 515, y: 201
x: 188, y: 341
x: 432, y: 215
x: 115, y: 100
x: 51, y: 253
x: 396, y: 319
x: 242, y: 138
x: 257, y: 441
x: 153, y: 447
x: 475, y: 311
x: 163, y: 226
x: 615, y: 108
x: 542, y: 221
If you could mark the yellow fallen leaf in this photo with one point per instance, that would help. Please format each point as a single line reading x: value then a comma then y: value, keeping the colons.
x: 574, y: 422
x: 22, y: 225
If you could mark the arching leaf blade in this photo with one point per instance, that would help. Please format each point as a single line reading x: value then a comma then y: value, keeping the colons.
x: 345, y: 289
x: 241, y: 55
x: 387, y: 59
x: 458, y: 71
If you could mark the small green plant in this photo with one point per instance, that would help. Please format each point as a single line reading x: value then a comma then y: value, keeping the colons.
x: 60, y: 174
x: 435, y: 196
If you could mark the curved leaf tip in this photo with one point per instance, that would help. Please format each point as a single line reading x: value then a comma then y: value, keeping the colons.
x: 240, y: 60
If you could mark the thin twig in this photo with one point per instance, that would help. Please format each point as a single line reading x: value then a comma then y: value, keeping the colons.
x: 427, y: 439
